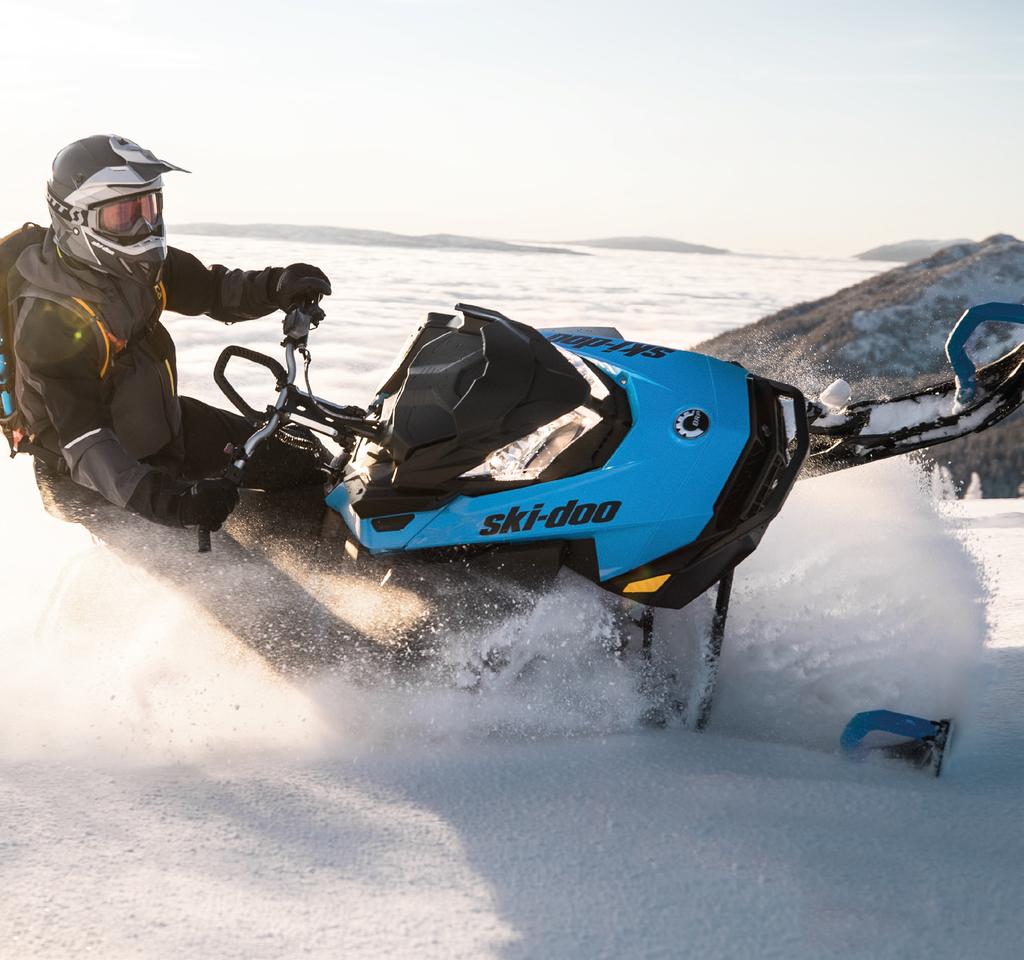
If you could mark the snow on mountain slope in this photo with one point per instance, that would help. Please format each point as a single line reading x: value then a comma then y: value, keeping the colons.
x: 887, y: 334
x: 892, y: 326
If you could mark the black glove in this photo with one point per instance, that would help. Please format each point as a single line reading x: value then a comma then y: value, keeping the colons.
x: 297, y: 283
x: 207, y: 504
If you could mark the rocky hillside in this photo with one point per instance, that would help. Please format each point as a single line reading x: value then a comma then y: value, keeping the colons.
x: 887, y: 334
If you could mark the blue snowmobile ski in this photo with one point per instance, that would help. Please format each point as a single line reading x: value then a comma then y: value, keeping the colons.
x: 651, y: 471
x: 900, y: 736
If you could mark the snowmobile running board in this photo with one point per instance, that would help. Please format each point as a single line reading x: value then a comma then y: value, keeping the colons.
x: 923, y: 745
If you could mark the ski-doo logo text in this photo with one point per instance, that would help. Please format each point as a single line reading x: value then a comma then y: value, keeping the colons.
x: 629, y: 348
x: 573, y: 513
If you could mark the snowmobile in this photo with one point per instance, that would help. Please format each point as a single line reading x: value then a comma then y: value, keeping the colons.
x: 651, y: 471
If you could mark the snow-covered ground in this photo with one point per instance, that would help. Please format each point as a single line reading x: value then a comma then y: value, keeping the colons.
x: 163, y: 791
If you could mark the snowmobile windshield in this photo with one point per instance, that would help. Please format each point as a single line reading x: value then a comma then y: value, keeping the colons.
x: 468, y: 389
x: 526, y: 459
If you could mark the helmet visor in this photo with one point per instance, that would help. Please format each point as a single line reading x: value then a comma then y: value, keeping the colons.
x: 131, y: 216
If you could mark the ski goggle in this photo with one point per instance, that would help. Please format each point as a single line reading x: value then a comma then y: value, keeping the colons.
x: 131, y: 216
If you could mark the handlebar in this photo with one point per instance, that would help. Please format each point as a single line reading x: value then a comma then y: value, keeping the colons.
x: 964, y: 368
x: 261, y: 359
x: 292, y: 402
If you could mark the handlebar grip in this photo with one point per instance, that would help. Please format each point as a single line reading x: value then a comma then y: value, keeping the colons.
x: 300, y: 317
x: 956, y: 345
x: 203, y: 537
x: 253, y: 356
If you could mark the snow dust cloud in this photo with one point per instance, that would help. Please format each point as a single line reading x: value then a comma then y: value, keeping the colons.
x: 860, y: 596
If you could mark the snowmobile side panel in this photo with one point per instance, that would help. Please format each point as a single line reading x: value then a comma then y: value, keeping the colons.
x: 657, y: 491
x: 753, y: 495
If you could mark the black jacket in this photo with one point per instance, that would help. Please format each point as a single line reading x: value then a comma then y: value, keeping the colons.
x: 97, y: 377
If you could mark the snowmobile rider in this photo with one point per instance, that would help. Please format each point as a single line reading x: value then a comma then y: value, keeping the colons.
x: 96, y: 375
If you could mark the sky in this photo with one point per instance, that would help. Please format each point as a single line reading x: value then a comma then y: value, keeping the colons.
x: 816, y: 128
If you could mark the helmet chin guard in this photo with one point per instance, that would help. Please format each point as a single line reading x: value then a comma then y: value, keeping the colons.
x: 90, y: 174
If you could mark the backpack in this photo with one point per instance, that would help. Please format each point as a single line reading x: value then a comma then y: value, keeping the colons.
x: 11, y: 247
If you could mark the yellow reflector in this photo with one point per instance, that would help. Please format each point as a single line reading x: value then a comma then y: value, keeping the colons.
x: 647, y: 586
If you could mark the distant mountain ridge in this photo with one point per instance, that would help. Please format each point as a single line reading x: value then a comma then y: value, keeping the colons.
x: 887, y: 334
x: 907, y: 250
x: 363, y: 238
x: 654, y: 244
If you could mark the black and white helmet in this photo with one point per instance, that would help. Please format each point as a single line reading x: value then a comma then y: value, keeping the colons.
x: 107, y: 207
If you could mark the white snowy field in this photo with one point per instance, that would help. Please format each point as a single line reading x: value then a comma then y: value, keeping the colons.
x: 163, y: 791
